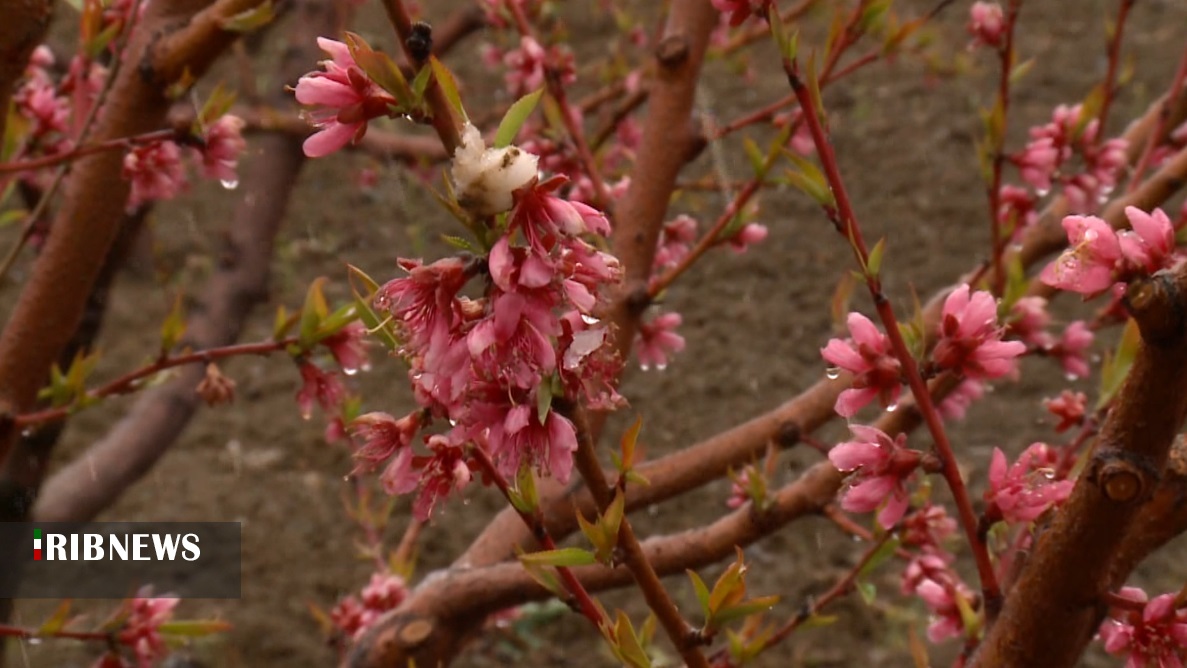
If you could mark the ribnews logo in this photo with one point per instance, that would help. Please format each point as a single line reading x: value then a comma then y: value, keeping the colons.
x: 97, y: 546
x: 114, y: 559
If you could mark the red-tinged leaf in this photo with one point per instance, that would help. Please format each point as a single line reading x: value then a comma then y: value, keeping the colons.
x: 702, y: 592
x: 628, y: 442
x: 381, y: 69
x: 919, y: 654
x: 565, y: 556
x: 629, y: 648
x: 56, y: 621
x: 515, y: 117
x: 314, y: 311
x: 321, y: 617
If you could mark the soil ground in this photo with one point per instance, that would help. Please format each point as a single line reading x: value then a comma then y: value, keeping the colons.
x: 753, y: 324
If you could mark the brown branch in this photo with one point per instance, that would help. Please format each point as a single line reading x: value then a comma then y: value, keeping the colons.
x: 52, y: 302
x: 90, y: 483
x: 23, y: 27
x: 1049, y: 614
x: 444, y: 120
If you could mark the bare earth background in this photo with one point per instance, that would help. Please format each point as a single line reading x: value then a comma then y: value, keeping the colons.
x: 754, y: 325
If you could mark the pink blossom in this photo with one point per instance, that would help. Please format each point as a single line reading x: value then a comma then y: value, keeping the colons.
x: 882, y: 466
x: 956, y: 405
x: 987, y: 25
x: 1154, y: 638
x: 526, y: 66
x: 222, y: 147
x: 522, y: 439
x: 155, y: 171
x: 750, y: 234
x: 866, y: 355
x: 382, y: 436
x: 1151, y: 242
x: 657, y: 339
x: 424, y: 302
x: 1029, y: 320
x: 318, y: 386
x: 1025, y: 490
x: 1016, y: 209
x: 928, y: 527
x: 970, y: 338
x: 39, y: 102
x: 141, y: 631
x: 739, y: 10
x: 384, y: 592
x: 436, y: 475
x: 675, y: 239
x: 1038, y: 162
x: 1072, y: 349
x: 942, y: 601
x: 343, y: 98
x: 349, y: 348
x: 1087, y: 265
x: 740, y: 489
x: 1068, y: 407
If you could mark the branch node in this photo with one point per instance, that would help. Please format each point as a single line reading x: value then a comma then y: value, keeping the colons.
x: 1156, y: 304
x: 788, y: 434
x: 1123, y: 477
x: 672, y: 51
x: 416, y: 632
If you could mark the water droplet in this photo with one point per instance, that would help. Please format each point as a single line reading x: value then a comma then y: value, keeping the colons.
x: 1070, y: 377
x: 465, y: 502
x: 892, y: 408
x: 832, y: 373
x: 589, y: 319
x: 452, y: 422
x: 1042, y: 192
x: 34, y: 641
x: 661, y: 367
x: 230, y: 184
x: 345, y: 478
x: 349, y: 370
x: 645, y: 367
x: 27, y: 432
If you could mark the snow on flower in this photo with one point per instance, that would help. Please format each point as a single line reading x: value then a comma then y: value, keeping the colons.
x: 1025, y: 490
x: 1156, y: 637
x: 881, y: 466
x: 485, y: 178
x: 867, y: 355
x: 970, y: 338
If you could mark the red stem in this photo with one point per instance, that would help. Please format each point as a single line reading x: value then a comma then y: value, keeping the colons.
x: 126, y: 382
x: 89, y: 149
x: 847, y: 223
x: 1114, y: 51
x: 1006, y: 58
x: 535, y: 522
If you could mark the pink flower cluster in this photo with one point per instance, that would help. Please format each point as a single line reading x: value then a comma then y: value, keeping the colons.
x: 1053, y: 145
x: 53, y: 110
x: 1155, y: 637
x: 1099, y: 256
x: 930, y: 577
x: 970, y: 337
x: 353, y: 615
x: 481, y: 365
x: 527, y: 64
x: 158, y: 173
x: 987, y: 24
x: 1069, y: 407
x: 1021, y: 492
x: 657, y: 339
x: 881, y: 467
x: 141, y: 630
x: 1030, y: 322
x: 343, y: 98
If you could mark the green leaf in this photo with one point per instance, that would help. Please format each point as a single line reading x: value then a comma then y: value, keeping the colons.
x: 756, y: 156
x: 448, y: 86
x: 742, y: 610
x: 195, y: 628
x: 545, y: 577
x: 818, y: 621
x: 314, y: 311
x: 515, y: 117
x: 884, y: 552
x: 543, y: 400
x: 629, y: 648
x: 1116, y: 365
x: 874, y: 263
x: 56, y: 621
x: 252, y: 19
x: 702, y: 592
x: 218, y: 104
x: 421, y: 83
x: 565, y: 556
x: 868, y: 592
x: 380, y: 69
x: 1021, y: 70
x: 174, y: 326
x: 628, y: 444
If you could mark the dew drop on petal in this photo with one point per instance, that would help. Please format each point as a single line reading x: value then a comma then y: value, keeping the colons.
x: 892, y: 408
x: 350, y: 370
x: 661, y: 367
x: 833, y: 373
x: 33, y: 641
x: 589, y: 319
x: 645, y: 367
x: 27, y: 432
x: 230, y: 184
x: 1070, y: 377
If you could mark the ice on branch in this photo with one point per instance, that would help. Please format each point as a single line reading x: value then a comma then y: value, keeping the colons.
x: 485, y: 178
